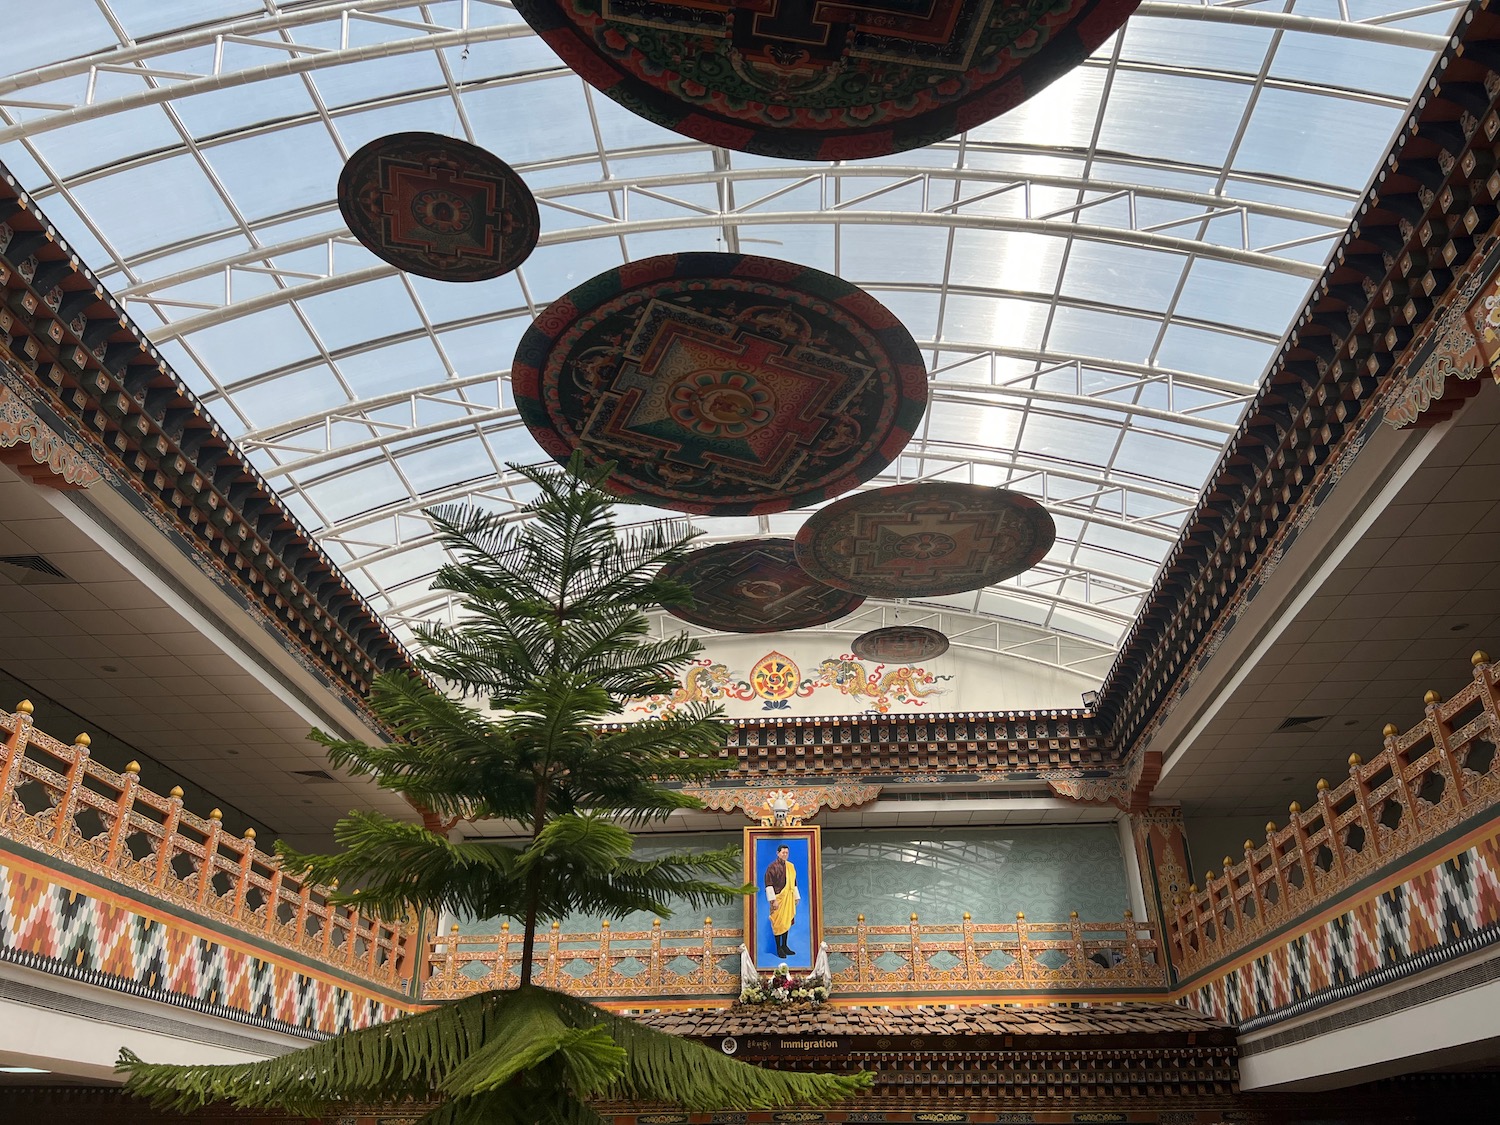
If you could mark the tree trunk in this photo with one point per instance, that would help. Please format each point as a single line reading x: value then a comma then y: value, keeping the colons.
x: 528, y: 943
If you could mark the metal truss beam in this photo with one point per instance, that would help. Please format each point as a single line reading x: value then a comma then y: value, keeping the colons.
x: 385, y: 432
x: 1153, y: 240
x: 997, y: 186
x: 269, y: 32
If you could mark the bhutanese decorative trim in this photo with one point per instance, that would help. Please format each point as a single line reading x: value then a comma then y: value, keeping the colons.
x: 87, y: 934
x: 1448, y: 910
x: 55, y: 461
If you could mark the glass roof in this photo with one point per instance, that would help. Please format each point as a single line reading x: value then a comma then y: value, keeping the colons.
x: 1098, y: 278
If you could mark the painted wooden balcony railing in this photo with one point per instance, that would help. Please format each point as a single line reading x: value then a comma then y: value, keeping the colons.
x: 1007, y: 961
x: 1422, y: 790
x: 57, y: 803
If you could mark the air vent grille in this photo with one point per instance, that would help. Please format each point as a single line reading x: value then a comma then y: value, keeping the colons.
x: 1300, y: 723
x: 30, y: 570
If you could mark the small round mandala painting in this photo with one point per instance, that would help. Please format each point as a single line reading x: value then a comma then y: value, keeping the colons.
x: 900, y: 644
x: 925, y: 539
x: 438, y: 207
x: 755, y: 586
x: 721, y: 384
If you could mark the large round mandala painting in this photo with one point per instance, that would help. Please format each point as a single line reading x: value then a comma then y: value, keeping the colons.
x: 923, y: 540
x: 755, y: 586
x: 822, y: 79
x: 721, y: 384
x: 438, y: 207
x: 900, y: 644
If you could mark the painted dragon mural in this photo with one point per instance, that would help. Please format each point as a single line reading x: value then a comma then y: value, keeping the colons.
x: 776, y: 681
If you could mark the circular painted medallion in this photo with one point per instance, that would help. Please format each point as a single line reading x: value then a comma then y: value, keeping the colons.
x: 721, y: 384
x: 822, y: 79
x: 900, y: 644
x: 755, y: 586
x: 922, y: 540
x: 438, y: 207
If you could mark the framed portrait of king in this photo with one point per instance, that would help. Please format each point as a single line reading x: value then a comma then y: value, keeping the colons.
x: 784, y: 917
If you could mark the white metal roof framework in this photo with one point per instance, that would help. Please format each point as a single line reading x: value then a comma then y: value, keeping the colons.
x: 1097, y: 278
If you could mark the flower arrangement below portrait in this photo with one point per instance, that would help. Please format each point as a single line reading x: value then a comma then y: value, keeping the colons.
x: 784, y: 987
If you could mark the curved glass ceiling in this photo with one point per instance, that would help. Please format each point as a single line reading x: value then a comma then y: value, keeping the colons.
x: 1098, y: 278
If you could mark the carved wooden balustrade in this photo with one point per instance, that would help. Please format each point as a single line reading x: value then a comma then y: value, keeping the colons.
x: 1007, y: 960
x: 54, y: 799
x: 1423, y: 784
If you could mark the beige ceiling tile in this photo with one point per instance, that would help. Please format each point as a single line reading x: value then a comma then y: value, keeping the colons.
x: 1429, y: 549
x: 126, y: 595
x: 1426, y: 603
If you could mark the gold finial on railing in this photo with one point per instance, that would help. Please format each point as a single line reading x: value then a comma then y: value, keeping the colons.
x: 967, y: 916
x: 1432, y: 697
x: 604, y: 924
x: 1390, y: 730
x: 1072, y: 914
x: 216, y: 814
x: 453, y: 929
x: 1355, y: 761
x: 913, y: 915
x: 1249, y: 847
x: 1294, y: 808
x: 1128, y: 912
x: 556, y: 926
x: 83, y: 740
x: 25, y: 707
x: 249, y: 833
x: 1479, y: 657
x: 175, y: 792
x: 133, y: 768
x: 860, y: 919
x: 1270, y: 827
x: 708, y: 921
x: 505, y: 927
x: 1192, y: 888
x: 1322, y: 785
x: 656, y: 923
x: 1228, y: 863
x: 1208, y: 878
x: 1020, y: 915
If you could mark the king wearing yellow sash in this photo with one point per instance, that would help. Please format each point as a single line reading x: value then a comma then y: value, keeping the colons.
x: 781, y: 899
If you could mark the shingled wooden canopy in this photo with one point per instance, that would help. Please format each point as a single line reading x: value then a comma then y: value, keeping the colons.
x: 980, y: 1063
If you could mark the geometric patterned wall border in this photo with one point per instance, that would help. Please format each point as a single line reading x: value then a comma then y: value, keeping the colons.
x: 53, y: 924
x: 1448, y: 909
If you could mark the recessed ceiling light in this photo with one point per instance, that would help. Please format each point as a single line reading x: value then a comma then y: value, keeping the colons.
x: 232, y: 753
x: 109, y: 667
x: 1286, y: 779
x: 1459, y: 628
x: 22, y: 1070
x: 1347, y: 723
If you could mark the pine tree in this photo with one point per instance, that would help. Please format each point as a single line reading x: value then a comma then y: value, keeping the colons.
x: 554, y: 637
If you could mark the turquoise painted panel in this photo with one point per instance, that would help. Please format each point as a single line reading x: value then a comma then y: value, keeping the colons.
x: 886, y: 875
x: 937, y: 874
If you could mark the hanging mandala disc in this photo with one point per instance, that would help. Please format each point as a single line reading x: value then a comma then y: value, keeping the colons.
x: 922, y: 540
x: 721, y: 384
x: 755, y: 586
x: 900, y: 644
x: 818, y: 79
x: 438, y: 207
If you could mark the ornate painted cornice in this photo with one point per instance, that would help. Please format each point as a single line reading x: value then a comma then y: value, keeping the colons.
x: 1431, y: 209
x: 37, y: 451
x: 89, y: 364
x: 982, y: 746
x: 797, y: 803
